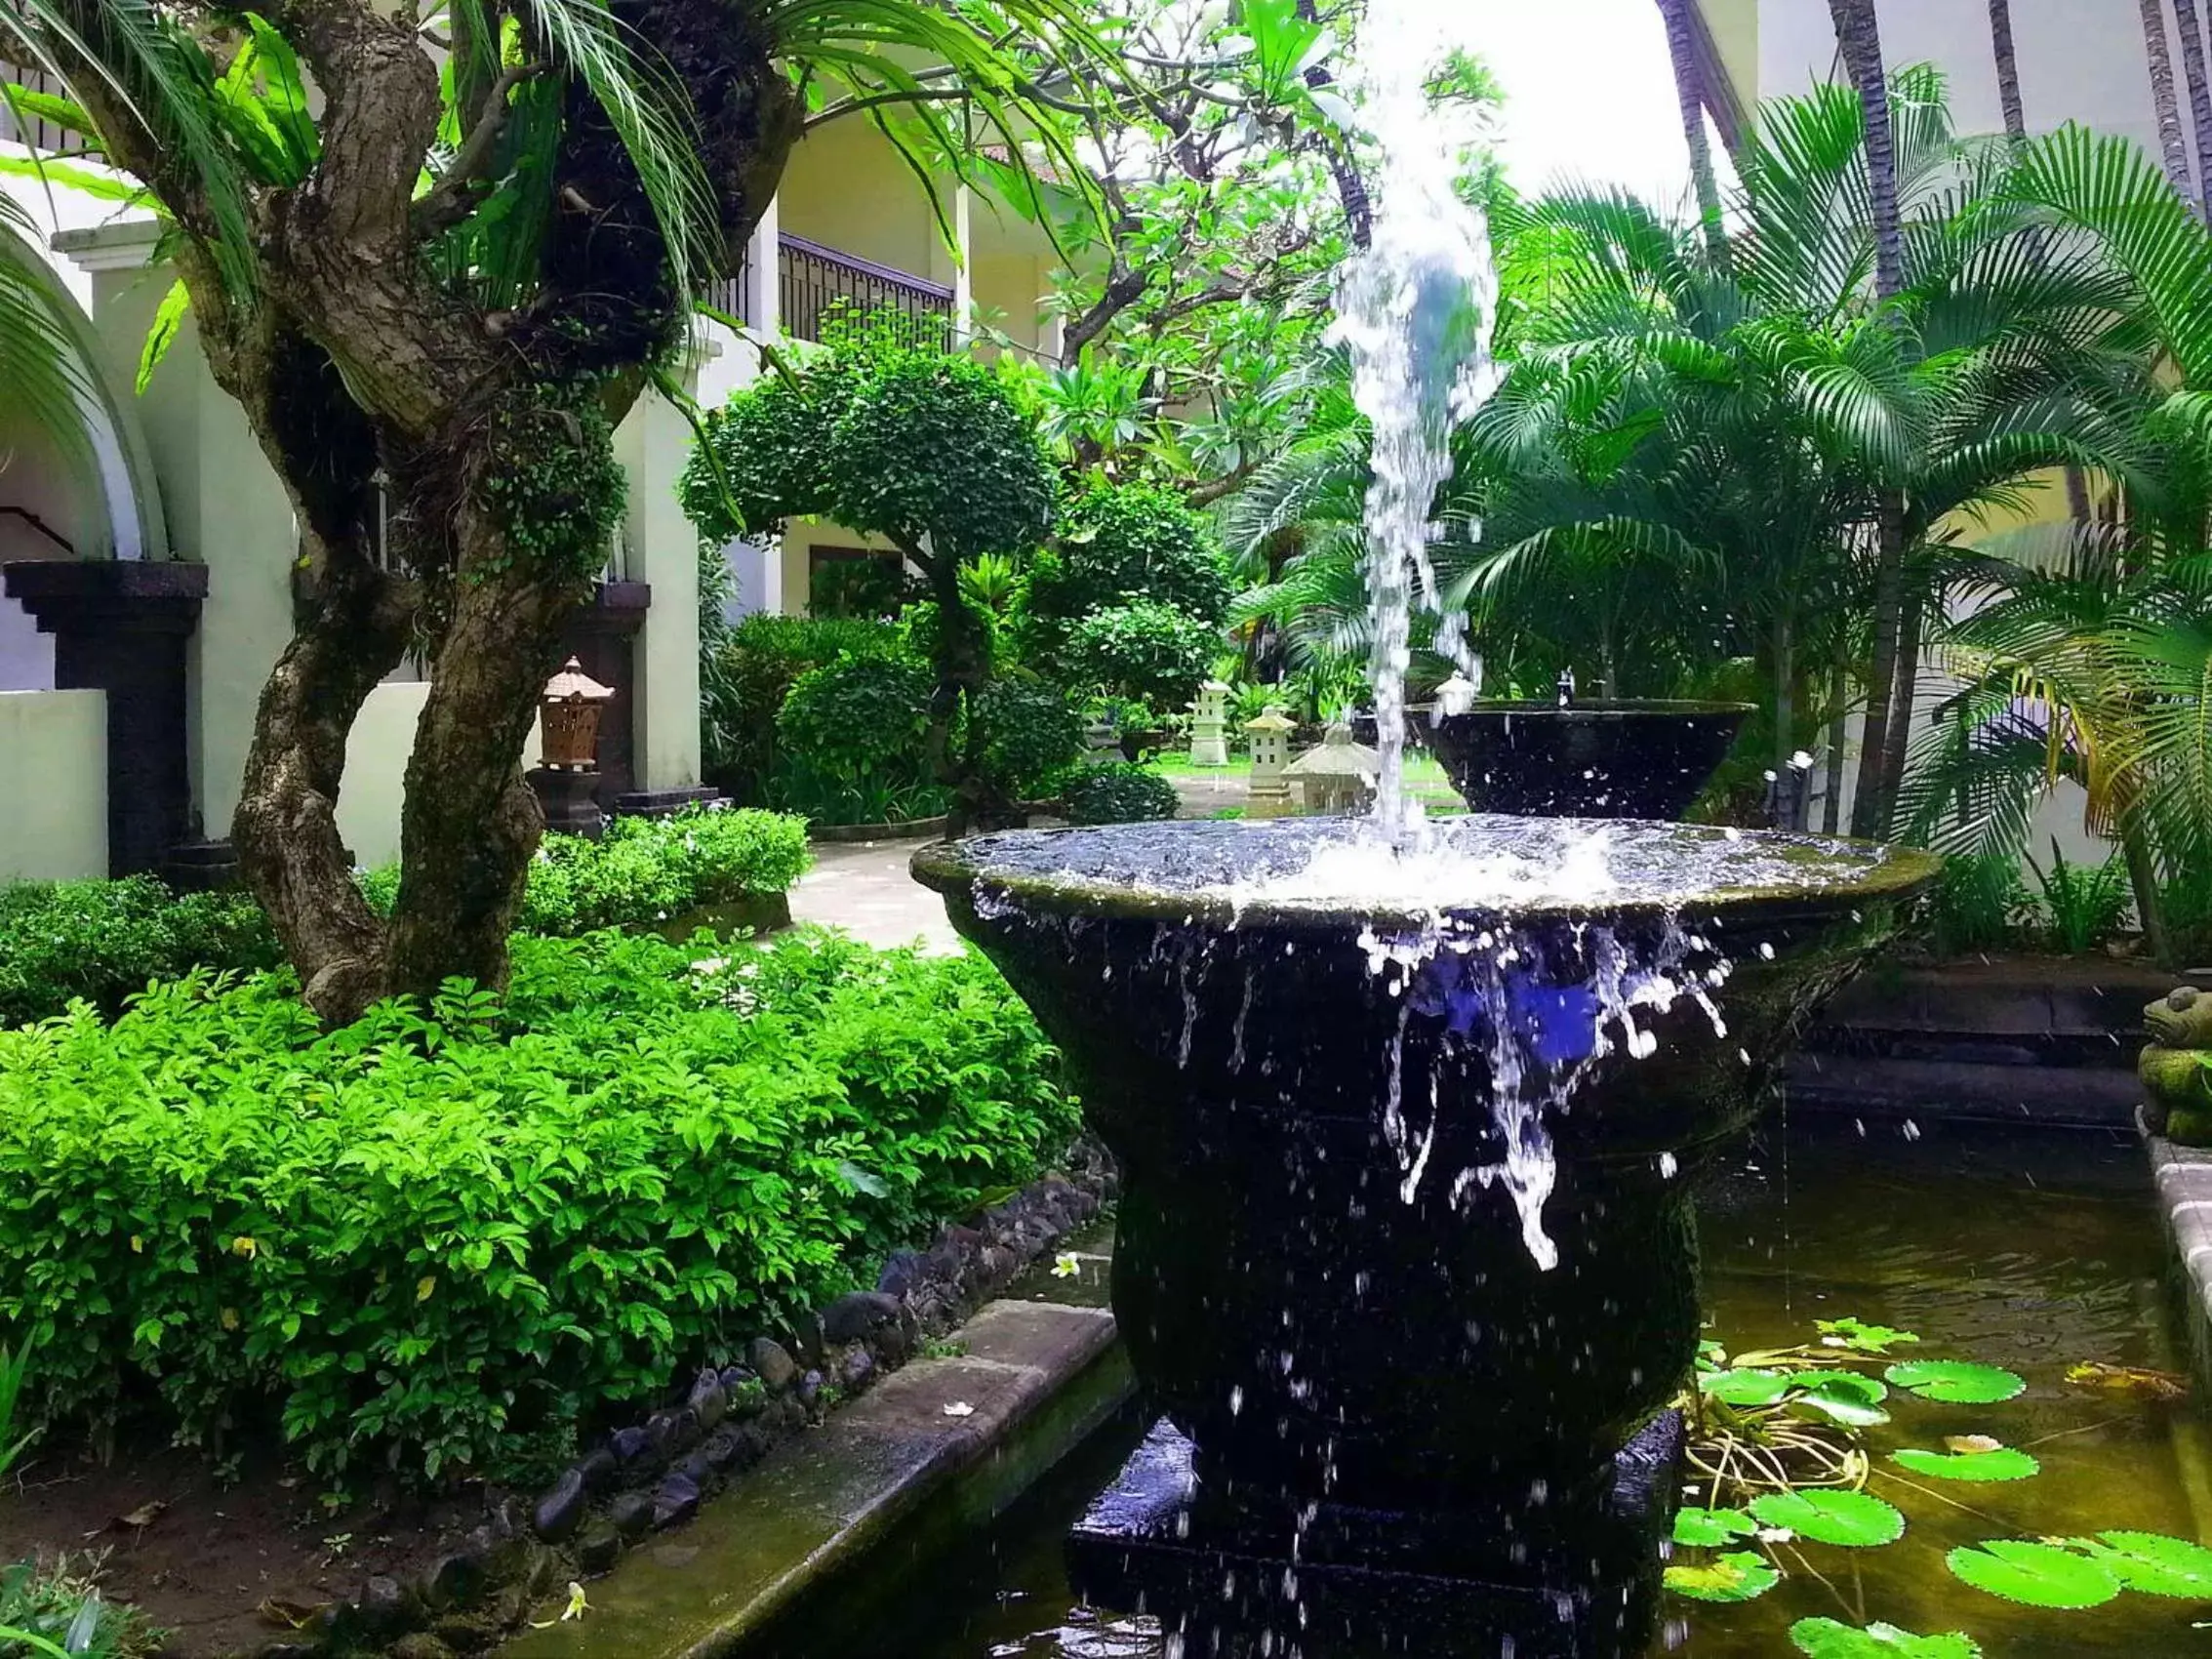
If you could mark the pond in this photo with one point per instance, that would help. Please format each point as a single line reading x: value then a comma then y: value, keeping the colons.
x: 2033, y: 1253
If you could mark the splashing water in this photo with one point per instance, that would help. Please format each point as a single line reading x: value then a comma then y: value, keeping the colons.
x: 1414, y: 313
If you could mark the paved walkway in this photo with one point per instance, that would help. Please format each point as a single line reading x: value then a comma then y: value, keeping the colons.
x: 864, y: 889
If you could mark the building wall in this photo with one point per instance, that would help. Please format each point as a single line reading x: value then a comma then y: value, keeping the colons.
x: 53, y: 785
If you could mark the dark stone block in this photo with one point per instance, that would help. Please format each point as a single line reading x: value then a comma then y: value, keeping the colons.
x: 901, y: 1273
x: 853, y: 1318
x: 697, y: 1467
x: 710, y: 1401
x: 385, y: 1608
x: 858, y: 1370
x: 598, y: 1469
x: 774, y: 1365
x: 809, y: 1388
x: 735, y: 1377
x: 560, y: 1512
x: 629, y: 1444
x: 677, y: 1502
x: 598, y: 1548
x: 632, y: 1513
x: 456, y: 1580
x: 723, y: 1448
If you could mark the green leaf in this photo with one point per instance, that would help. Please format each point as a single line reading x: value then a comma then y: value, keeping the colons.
x: 1848, y: 1332
x: 1708, y: 1528
x: 168, y: 318
x: 1741, y: 1575
x: 1856, y: 1521
x: 1840, y: 1397
x: 1744, y: 1387
x: 1956, y: 1382
x: 2035, y: 1575
x: 2154, y: 1564
x: 1825, y: 1639
x: 2001, y: 1464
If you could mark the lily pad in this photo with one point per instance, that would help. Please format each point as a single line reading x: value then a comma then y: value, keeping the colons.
x: 1956, y: 1382
x: 1856, y: 1521
x: 1708, y: 1528
x: 1857, y: 1334
x: 1744, y: 1387
x: 2154, y: 1564
x: 1998, y: 1462
x: 1825, y: 1639
x: 1741, y: 1575
x: 1840, y: 1397
x: 2035, y: 1575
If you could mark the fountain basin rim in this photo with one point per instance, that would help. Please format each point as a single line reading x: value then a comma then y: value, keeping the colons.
x: 948, y: 868
x: 1599, y: 708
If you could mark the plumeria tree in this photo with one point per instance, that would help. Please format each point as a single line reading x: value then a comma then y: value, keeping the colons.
x: 443, y: 251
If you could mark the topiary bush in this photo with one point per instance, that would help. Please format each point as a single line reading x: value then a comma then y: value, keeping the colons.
x: 1031, y: 733
x: 106, y: 940
x: 1119, y: 542
x: 852, y: 737
x: 1142, y: 652
x: 1116, y: 791
x: 744, y: 678
x: 446, y: 1239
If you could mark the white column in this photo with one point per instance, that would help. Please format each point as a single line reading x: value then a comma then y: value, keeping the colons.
x: 964, y: 269
x: 764, y: 288
x: 653, y: 442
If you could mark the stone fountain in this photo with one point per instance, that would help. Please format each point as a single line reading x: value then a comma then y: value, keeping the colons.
x: 1582, y: 759
x: 1405, y: 1250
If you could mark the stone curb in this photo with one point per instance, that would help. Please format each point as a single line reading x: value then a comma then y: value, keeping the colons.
x: 2182, y: 1176
x: 650, y: 1477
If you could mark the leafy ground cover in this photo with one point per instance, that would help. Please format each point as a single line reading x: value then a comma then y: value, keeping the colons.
x: 445, y: 1240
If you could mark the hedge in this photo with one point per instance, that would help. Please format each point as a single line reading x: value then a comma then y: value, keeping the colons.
x: 106, y: 941
x: 445, y: 1239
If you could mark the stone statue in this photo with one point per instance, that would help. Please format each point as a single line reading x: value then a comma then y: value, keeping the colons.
x: 2176, y: 1067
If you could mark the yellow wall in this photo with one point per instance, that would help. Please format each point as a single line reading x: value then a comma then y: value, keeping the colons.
x: 53, y: 783
x: 1735, y: 27
x: 375, y: 769
x: 847, y: 188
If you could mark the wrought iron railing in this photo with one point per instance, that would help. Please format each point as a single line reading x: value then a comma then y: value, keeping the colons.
x: 813, y: 282
x: 35, y: 132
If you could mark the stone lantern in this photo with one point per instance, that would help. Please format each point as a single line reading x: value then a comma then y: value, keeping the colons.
x: 1339, y: 776
x: 567, y: 777
x: 1270, y: 754
x: 1209, y: 716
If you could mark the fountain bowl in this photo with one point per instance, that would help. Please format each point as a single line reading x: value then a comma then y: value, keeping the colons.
x: 1610, y: 759
x: 1270, y: 1060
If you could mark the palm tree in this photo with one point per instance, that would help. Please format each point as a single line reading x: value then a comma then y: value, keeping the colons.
x: 2199, y: 94
x: 584, y: 171
x: 2008, y: 70
x: 2162, y: 95
x: 42, y: 379
x: 1689, y: 93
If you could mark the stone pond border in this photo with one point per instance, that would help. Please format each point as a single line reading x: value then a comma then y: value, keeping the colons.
x: 2184, y: 1178
x: 648, y: 1478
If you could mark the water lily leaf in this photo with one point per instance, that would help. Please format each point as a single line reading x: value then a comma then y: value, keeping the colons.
x: 1706, y: 1529
x: 2154, y: 1564
x: 1741, y: 1575
x: 1824, y: 1638
x: 2035, y: 1575
x: 1998, y: 1462
x: 1744, y: 1387
x: 1840, y: 1397
x: 1956, y: 1382
x: 1857, y: 1334
x: 1856, y: 1521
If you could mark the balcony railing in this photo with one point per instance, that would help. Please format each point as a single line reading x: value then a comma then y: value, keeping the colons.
x: 35, y: 132
x: 813, y: 282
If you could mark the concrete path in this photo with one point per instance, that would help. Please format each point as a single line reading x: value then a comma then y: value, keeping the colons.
x: 864, y: 889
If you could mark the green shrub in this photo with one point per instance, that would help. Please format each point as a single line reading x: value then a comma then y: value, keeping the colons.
x: 744, y: 678
x: 646, y: 871
x: 105, y: 940
x: 2085, y: 904
x: 1123, y: 542
x: 851, y: 738
x: 61, y: 1607
x: 1031, y: 733
x: 1114, y: 791
x: 1980, y: 903
x: 444, y: 1237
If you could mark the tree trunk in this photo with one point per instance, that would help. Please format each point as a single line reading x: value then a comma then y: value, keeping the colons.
x: 2170, y: 143
x: 1869, y: 808
x: 1858, y: 37
x: 1839, y: 733
x: 1897, y: 742
x: 963, y: 670
x: 2199, y: 94
x: 1689, y: 94
x: 2008, y: 70
x: 2142, y: 880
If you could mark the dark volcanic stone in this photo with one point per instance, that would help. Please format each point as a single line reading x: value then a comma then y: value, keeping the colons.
x: 810, y: 1387
x: 598, y: 1469
x: 851, y: 1317
x: 561, y: 1510
x: 598, y: 1548
x: 456, y: 1580
x: 384, y: 1606
x: 710, y: 1401
x: 774, y: 1365
x: 735, y: 1377
x: 858, y: 1370
x: 677, y: 1502
x: 806, y: 1338
x: 632, y: 1513
x: 901, y: 1273
x: 629, y: 1444
x: 723, y: 1447
x: 698, y: 1467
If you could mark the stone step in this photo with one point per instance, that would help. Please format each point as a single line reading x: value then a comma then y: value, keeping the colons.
x: 2077, y: 1096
